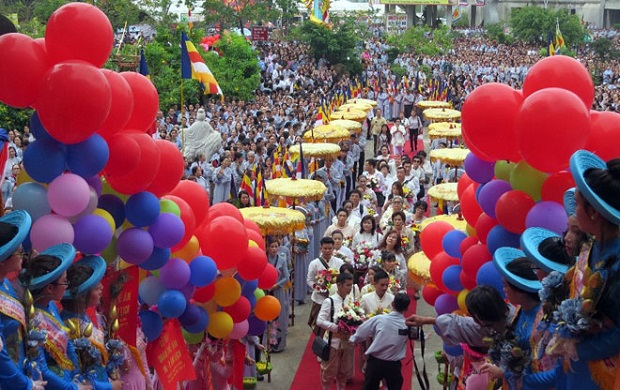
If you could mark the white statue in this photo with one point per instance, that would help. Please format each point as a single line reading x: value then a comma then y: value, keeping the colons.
x: 201, y: 138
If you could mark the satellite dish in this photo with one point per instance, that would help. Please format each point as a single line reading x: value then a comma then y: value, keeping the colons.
x: 6, y: 26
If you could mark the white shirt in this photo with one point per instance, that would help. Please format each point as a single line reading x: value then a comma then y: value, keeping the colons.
x: 313, y: 268
x: 371, y: 302
x: 324, y: 320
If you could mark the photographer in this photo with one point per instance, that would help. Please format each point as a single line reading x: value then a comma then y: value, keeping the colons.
x: 389, y: 333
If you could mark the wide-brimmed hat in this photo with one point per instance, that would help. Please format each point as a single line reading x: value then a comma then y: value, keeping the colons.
x: 570, y: 204
x: 98, y: 265
x: 580, y: 162
x: 504, y: 256
x: 530, y: 243
x: 22, y: 221
x: 65, y: 253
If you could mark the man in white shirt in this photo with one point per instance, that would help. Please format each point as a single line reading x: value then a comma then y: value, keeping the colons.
x: 375, y: 179
x: 380, y: 299
x: 325, y: 261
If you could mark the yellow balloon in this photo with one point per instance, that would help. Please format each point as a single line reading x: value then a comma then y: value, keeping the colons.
x: 107, y: 216
x: 227, y: 291
x: 122, y: 264
x: 24, y: 177
x: 210, y: 306
x: 189, y: 251
x: 252, y: 243
x: 470, y: 230
x: 460, y: 299
x: 220, y: 324
x: 109, y: 254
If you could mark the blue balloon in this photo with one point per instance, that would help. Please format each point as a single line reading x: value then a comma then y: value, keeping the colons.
x: 489, y: 275
x: 453, y: 350
x: 201, y: 324
x: 142, y: 209
x: 451, y: 278
x: 256, y: 326
x: 190, y: 316
x: 171, y: 303
x: 150, y: 289
x: 499, y: 237
x: 37, y: 128
x: 252, y: 300
x: 88, y: 157
x: 113, y: 205
x: 158, y: 259
x: 31, y: 197
x: 203, y: 271
x: 248, y: 287
x: 152, y: 324
x: 44, y: 160
x: 451, y: 242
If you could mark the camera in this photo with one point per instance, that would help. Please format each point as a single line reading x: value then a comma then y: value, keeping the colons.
x: 412, y: 332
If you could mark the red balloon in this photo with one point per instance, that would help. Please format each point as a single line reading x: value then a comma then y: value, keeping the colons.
x: 555, y: 186
x: 256, y: 237
x: 473, y: 258
x: 79, y: 31
x: 467, y: 243
x: 430, y: 293
x: 145, y: 101
x: 195, y: 196
x: 124, y: 155
x: 240, y: 310
x: 170, y: 168
x: 553, y: 123
x: 487, y: 117
x: 484, y: 225
x: 511, y: 210
x: 439, y: 264
x: 251, y: 225
x: 22, y: 69
x: 74, y: 101
x: 431, y: 236
x: 187, y: 216
x: 204, y: 294
x: 470, y: 208
x: 604, y: 135
x: 560, y: 72
x: 463, y: 183
x: 224, y: 209
x: 224, y: 240
x: 140, y: 177
x: 254, y: 263
x: 269, y: 277
x: 120, y: 107
x: 466, y: 281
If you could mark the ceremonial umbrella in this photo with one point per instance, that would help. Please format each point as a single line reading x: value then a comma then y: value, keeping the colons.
x: 424, y: 104
x: 316, y: 150
x: 355, y: 106
x: 444, y: 191
x: 351, y: 126
x: 326, y: 133
x: 365, y: 101
x: 442, y: 114
x: 419, y: 268
x: 349, y: 113
x: 446, y: 130
x: 275, y: 220
x: 454, y: 220
x: 454, y: 156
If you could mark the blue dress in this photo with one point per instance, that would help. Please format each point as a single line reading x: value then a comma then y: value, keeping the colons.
x: 221, y: 192
x: 279, y: 328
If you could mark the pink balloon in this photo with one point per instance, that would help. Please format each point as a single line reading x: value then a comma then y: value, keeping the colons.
x: 240, y: 329
x: 68, y: 195
x: 51, y: 229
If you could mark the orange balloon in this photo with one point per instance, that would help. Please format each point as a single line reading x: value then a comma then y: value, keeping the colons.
x: 189, y: 251
x: 227, y: 291
x: 267, y: 308
x: 210, y: 306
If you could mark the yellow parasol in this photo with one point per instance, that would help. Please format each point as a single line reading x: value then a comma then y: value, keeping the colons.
x: 296, y: 188
x: 419, y: 268
x: 327, y: 133
x: 454, y: 156
x: 275, y: 220
x: 444, y: 191
x: 446, y: 130
x: 364, y: 101
x: 355, y: 106
x: 442, y: 114
x: 351, y: 126
x: 350, y: 113
x: 424, y: 104
x: 459, y: 224
x: 316, y: 150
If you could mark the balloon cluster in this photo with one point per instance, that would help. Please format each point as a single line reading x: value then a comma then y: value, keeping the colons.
x: 207, y: 42
x: 96, y: 179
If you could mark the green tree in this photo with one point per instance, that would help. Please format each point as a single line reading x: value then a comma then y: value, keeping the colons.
x: 14, y: 118
x: 605, y: 49
x: 532, y: 24
x: 423, y: 40
x: 235, y: 13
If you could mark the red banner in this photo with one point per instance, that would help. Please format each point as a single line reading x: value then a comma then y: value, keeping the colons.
x: 170, y: 357
x: 126, y: 301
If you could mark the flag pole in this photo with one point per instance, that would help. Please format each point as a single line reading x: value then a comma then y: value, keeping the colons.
x: 182, y: 117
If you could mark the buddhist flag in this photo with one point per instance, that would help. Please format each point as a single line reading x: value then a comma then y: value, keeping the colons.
x: 559, y: 39
x: 144, y: 68
x: 550, y: 45
x: 193, y: 66
x: 246, y: 185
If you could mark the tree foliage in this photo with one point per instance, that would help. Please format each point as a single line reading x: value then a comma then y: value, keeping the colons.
x: 235, y: 13
x: 532, y: 24
x: 605, y: 49
x: 14, y: 118
x: 423, y: 40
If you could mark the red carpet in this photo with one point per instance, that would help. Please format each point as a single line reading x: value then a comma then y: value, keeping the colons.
x: 308, y: 375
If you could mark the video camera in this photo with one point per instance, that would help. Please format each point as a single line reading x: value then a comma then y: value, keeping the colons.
x: 412, y: 332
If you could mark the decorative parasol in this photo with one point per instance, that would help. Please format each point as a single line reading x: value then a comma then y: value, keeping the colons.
x: 364, y: 101
x: 296, y: 188
x: 351, y: 126
x: 424, y: 104
x: 275, y: 220
x: 446, y: 130
x: 419, y: 268
x: 442, y: 114
x: 316, y: 150
x: 327, y: 133
x: 350, y: 113
x: 453, y: 220
x: 454, y: 156
x: 355, y: 106
x: 444, y: 191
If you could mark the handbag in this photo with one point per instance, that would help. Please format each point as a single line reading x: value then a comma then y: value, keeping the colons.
x: 320, y: 347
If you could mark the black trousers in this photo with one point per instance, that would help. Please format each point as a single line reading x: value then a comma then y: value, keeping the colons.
x: 413, y: 138
x: 389, y: 371
x: 407, y: 108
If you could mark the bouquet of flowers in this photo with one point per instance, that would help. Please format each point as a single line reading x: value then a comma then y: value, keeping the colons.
x: 324, y: 280
x: 347, y: 241
x: 349, y: 317
x: 341, y: 256
x: 404, y: 242
x: 365, y: 255
x: 394, y: 284
x: 378, y: 312
x: 374, y: 183
x: 505, y: 353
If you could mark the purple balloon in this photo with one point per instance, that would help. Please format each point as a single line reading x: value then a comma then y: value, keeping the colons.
x: 95, y: 182
x: 188, y: 290
x: 175, y: 274
x: 499, y: 237
x: 548, y: 215
x: 167, y: 231
x: 489, y: 275
x: 490, y: 193
x: 134, y: 245
x: 479, y: 170
x: 256, y: 326
x: 451, y: 278
x: 446, y: 304
x: 201, y: 324
x: 190, y: 316
x: 92, y: 234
